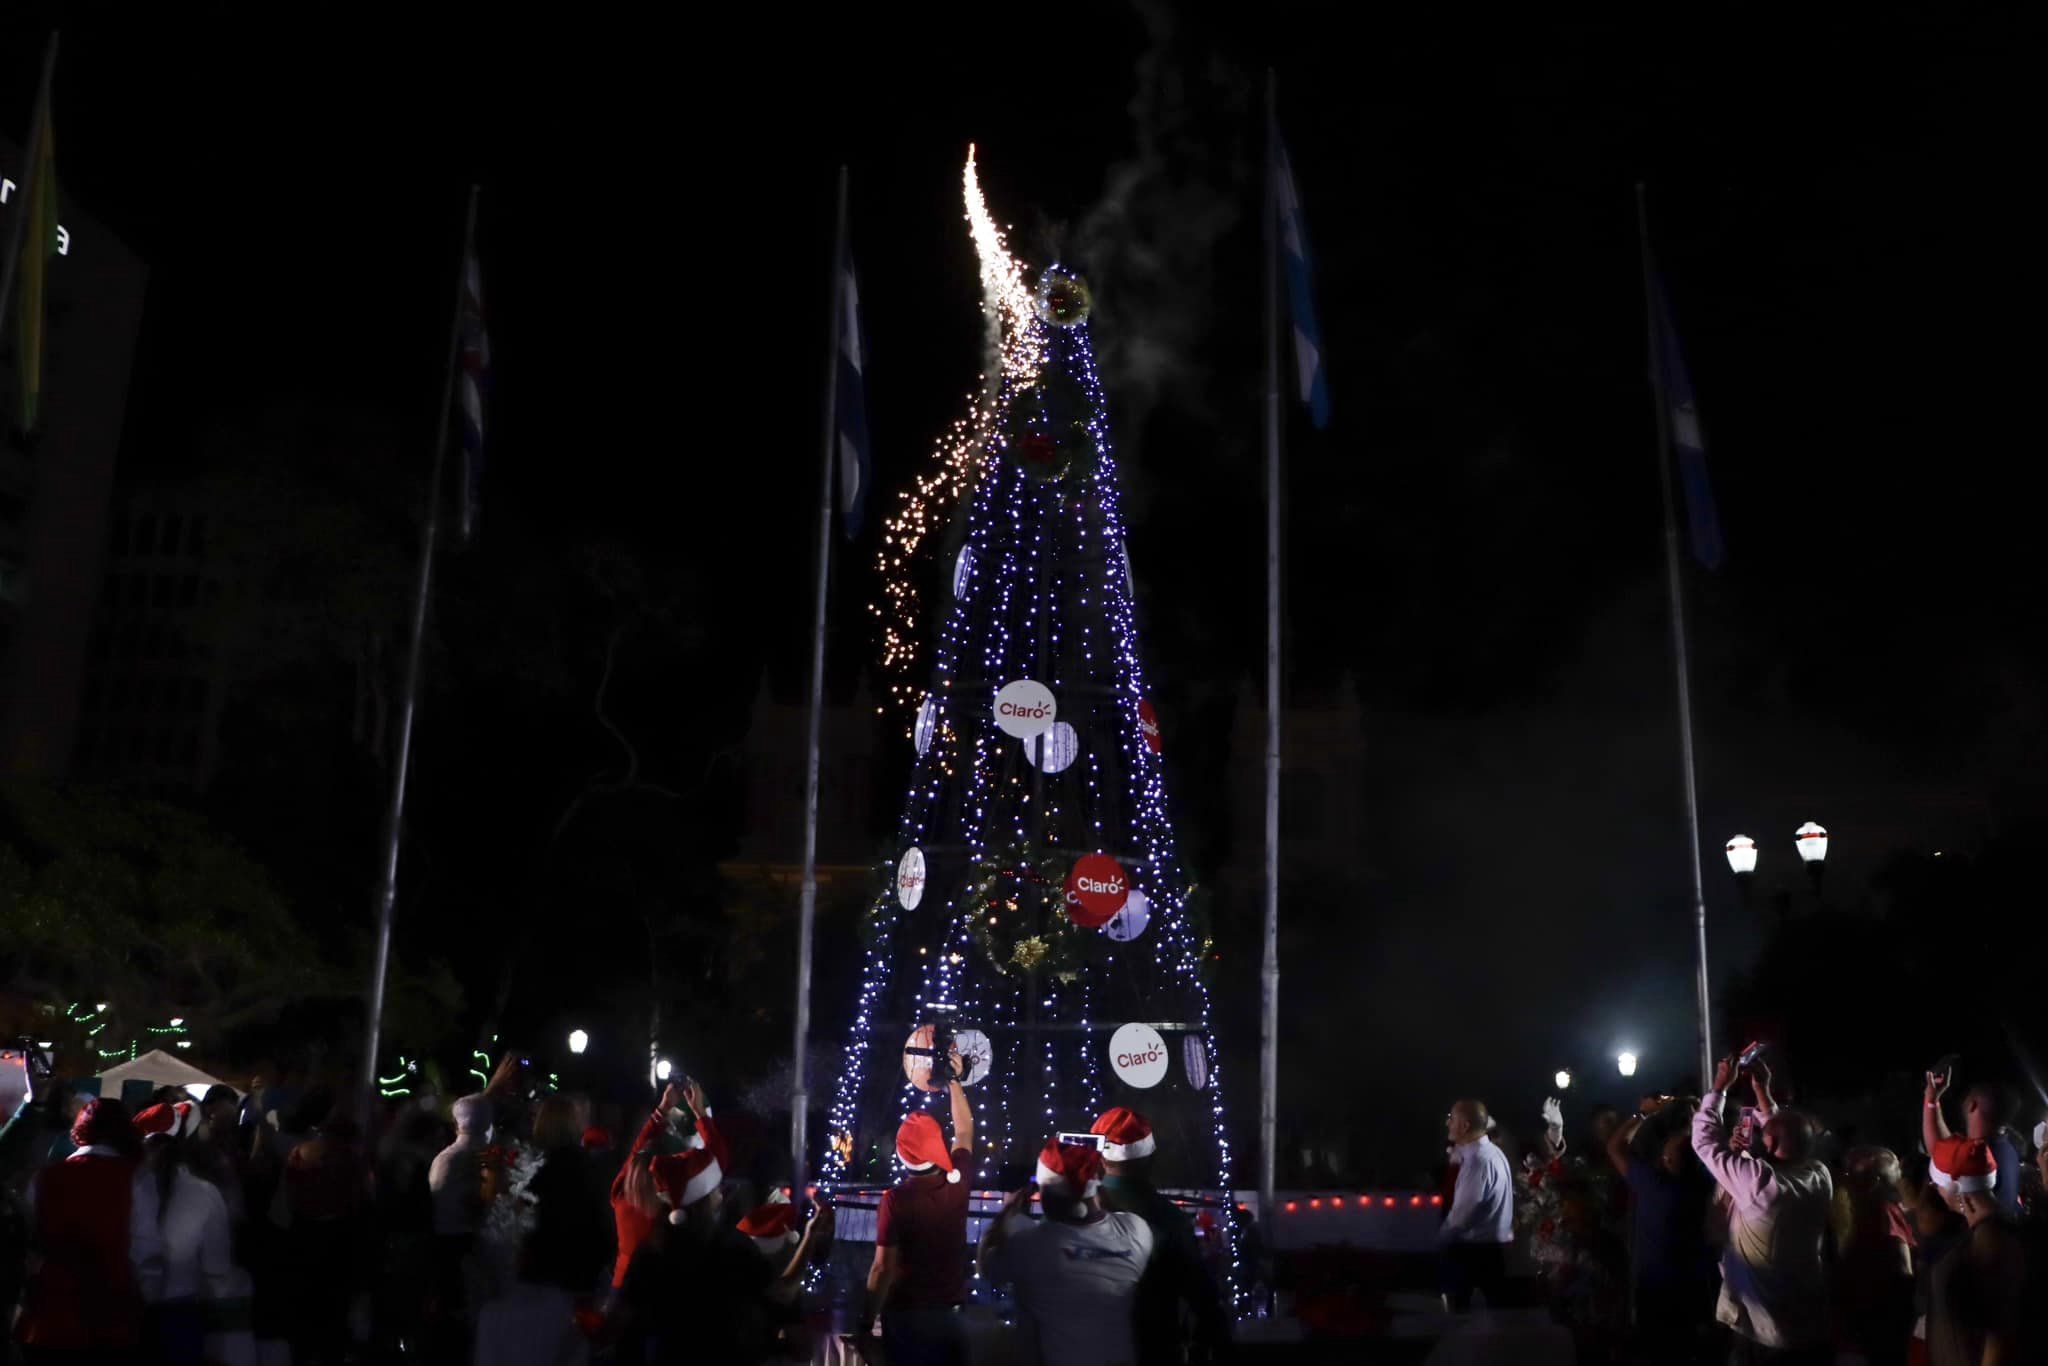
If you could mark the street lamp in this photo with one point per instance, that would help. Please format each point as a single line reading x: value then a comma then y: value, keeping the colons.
x: 1563, y: 1079
x: 1625, y: 1063
x: 1742, y: 856
x: 1812, y: 843
x: 578, y: 1041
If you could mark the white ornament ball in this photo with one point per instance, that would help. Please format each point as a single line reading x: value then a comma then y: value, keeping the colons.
x: 1130, y: 922
x: 1061, y: 746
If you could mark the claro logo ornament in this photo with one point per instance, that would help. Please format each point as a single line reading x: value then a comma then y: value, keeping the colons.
x: 1139, y: 1055
x: 910, y: 878
x: 1025, y: 708
x: 1096, y: 890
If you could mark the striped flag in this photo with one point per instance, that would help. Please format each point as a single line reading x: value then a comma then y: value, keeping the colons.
x: 38, y: 245
x: 1308, y: 340
x: 1683, y: 418
x: 850, y: 418
x: 474, y: 376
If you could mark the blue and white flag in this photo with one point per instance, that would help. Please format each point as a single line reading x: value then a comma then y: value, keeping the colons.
x: 1308, y: 341
x: 1683, y: 418
x: 850, y: 420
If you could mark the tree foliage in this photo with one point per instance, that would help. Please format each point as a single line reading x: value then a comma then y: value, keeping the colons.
x: 140, y: 903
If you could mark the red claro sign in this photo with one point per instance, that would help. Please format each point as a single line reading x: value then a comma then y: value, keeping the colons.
x: 1148, y: 726
x: 1096, y: 890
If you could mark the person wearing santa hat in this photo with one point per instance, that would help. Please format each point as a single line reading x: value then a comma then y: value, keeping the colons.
x: 787, y: 1241
x: 1076, y: 1271
x: 697, y: 1170
x: 1977, y: 1293
x: 93, y: 1223
x: 918, y: 1280
x: 1177, y: 1274
x: 697, y: 1288
x: 1984, y: 1111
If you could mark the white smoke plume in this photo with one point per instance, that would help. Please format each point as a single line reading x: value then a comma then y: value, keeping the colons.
x: 1150, y: 245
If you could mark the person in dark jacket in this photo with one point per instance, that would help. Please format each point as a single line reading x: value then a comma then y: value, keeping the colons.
x: 571, y: 1238
x: 1177, y: 1277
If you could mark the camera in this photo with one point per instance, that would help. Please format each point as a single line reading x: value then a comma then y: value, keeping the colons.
x: 36, y: 1060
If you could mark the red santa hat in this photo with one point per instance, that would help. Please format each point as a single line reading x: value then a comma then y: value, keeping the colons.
x: 1126, y: 1135
x: 921, y: 1147
x: 103, y: 1122
x: 1069, y: 1170
x: 1963, y: 1165
x: 687, y: 1178
x: 772, y: 1226
x: 168, y: 1121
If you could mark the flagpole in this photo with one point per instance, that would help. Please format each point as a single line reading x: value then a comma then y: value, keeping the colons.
x: 1679, y: 652
x: 394, y: 814
x: 807, y: 914
x: 17, y: 231
x: 1269, y: 972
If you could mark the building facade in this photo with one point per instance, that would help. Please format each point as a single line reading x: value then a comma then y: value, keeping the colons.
x: 55, y: 483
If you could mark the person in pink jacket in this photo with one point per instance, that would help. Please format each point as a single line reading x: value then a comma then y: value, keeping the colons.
x: 1773, y: 1283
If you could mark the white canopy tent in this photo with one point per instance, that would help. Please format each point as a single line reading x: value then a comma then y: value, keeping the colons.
x: 157, y: 1068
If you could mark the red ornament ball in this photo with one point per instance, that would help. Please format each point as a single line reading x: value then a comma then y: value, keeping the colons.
x: 1096, y: 890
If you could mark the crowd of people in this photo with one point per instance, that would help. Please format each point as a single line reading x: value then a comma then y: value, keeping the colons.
x: 1735, y: 1226
x: 506, y: 1227
x: 1114, y: 1274
x: 514, y: 1226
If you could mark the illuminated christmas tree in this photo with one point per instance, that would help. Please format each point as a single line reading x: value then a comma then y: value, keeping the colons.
x: 1035, y: 913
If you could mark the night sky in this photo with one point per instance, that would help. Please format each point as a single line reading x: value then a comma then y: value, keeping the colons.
x: 1839, y: 206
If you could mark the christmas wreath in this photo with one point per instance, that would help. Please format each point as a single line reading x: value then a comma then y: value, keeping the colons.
x: 1016, y: 902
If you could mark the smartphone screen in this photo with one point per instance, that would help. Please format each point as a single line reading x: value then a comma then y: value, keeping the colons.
x: 1083, y: 1140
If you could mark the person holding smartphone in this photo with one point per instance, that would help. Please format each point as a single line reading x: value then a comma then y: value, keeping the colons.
x: 1774, y: 1293
x: 1077, y: 1270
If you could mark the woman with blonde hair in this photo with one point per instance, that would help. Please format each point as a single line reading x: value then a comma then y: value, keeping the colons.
x: 1873, y: 1291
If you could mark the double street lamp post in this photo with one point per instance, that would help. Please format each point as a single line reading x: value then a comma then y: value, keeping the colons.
x: 1811, y: 842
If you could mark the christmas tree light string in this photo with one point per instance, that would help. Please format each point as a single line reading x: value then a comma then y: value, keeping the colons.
x: 1041, y: 536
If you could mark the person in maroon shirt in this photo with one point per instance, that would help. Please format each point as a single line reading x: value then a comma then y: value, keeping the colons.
x: 919, y: 1278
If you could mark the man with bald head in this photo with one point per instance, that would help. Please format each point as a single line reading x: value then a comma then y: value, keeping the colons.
x: 1481, y: 1224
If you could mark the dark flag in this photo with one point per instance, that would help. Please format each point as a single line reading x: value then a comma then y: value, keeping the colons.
x: 1684, y: 424
x: 474, y: 376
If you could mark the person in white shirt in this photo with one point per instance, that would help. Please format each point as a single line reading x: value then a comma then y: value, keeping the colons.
x: 192, y: 1224
x: 456, y: 1174
x: 1076, y: 1271
x: 1481, y: 1224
